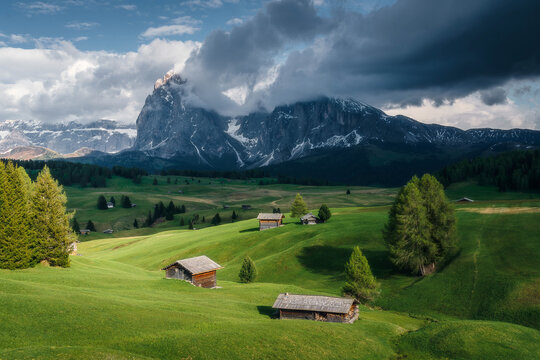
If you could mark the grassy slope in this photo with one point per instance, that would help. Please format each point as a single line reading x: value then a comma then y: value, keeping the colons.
x: 113, y: 302
x: 206, y: 198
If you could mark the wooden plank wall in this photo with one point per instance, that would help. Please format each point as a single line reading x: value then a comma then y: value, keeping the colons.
x: 206, y: 280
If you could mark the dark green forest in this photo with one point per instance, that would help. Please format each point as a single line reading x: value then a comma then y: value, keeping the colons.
x: 84, y: 175
x: 515, y: 170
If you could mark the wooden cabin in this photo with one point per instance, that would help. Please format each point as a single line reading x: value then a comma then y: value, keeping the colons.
x: 309, y: 219
x: 84, y: 231
x: 108, y: 231
x: 465, y: 200
x: 269, y: 221
x: 110, y: 205
x: 200, y: 271
x: 316, y: 307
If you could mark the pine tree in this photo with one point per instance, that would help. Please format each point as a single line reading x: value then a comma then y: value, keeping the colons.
x: 203, y: 219
x: 234, y: 216
x: 75, y: 226
x: 102, y: 203
x: 216, y: 219
x: 440, y: 214
x: 113, y: 201
x: 191, y: 225
x: 298, y: 207
x: 126, y: 202
x: 360, y: 282
x: 90, y: 225
x: 408, y: 231
x: 18, y: 248
x: 169, y: 216
x: 135, y: 224
x: 50, y: 220
x: 171, y: 208
x: 148, y: 222
x: 248, y: 271
x: 324, y: 213
x: 348, y: 192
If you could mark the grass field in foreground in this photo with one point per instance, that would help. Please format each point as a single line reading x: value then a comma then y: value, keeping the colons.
x: 114, y: 302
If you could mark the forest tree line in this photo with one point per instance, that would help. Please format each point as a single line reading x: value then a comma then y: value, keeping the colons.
x: 515, y: 170
x: 84, y: 175
x: 34, y: 225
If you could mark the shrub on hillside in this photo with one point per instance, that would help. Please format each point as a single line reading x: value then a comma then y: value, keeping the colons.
x: 248, y: 271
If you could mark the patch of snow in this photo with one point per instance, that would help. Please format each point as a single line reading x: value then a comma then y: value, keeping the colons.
x: 233, y: 128
x: 269, y: 159
x: 3, y: 134
x: 238, y: 159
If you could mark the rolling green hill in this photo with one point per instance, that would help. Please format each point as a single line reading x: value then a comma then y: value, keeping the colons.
x: 115, y: 303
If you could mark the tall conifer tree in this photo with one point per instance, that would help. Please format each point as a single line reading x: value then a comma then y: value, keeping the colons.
x: 360, y: 281
x: 53, y: 234
x: 17, y: 238
x: 298, y: 206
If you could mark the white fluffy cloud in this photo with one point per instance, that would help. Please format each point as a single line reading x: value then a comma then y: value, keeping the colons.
x: 471, y: 112
x: 61, y: 83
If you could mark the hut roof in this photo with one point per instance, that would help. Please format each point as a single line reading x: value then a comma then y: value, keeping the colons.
x: 465, y: 199
x: 337, y: 305
x: 269, y: 216
x: 308, y: 216
x: 196, y: 265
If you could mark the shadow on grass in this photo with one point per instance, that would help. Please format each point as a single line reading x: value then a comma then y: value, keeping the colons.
x: 379, y: 261
x: 267, y: 311
x: 324, y: 259
x: 249, y: 230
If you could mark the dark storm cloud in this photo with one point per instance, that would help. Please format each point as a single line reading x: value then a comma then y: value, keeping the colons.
x: 494, y: 96
x: 412, y: 50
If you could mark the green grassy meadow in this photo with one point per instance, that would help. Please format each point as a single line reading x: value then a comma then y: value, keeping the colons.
x: 114, y: 303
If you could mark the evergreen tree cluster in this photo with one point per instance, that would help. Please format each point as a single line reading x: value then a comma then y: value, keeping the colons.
x: 160, y: 211
x: 515, y: 170
x: 324, y: 213
x: 84, y: 175
x: 34, y: 225
x: 421, y: 226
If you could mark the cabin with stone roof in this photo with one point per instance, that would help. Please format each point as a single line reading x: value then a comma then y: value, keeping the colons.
x: 269, y: 221
x: 309, y: 219
x: 199, y: 270
x: 316, y: 307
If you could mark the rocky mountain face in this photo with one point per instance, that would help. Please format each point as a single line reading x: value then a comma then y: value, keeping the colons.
x: 170, y: 127
x: 103, y: 135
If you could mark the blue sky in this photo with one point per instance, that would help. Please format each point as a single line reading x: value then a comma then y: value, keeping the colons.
x: 123, y: 25
x: 465, y: 64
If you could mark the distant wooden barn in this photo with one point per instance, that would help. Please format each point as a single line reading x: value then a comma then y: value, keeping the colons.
x: 465, y: 200
x: 84, y: 231
x: 269, y: 221
x: 199, y: 270
x: 309, y: 219
x: 315, y: 307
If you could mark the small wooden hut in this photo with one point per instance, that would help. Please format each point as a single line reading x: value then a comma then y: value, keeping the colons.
x: 199, y: 270
x: 315, y: 307
x: 465, y: 200
x: 110, y: 205
x: 269, y: 221
x: 84, y: 231
x: 309, y: 219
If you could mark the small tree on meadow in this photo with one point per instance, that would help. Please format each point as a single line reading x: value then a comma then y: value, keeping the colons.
x: 75, y: 226
x: 216, y: 220
x: 112, y: 200
x: 102, y: 203
x: 248, y: 271
x: 125, y: 202
x: 324, y: 213
x: 360, y: 282
x: 348, y: 192
x: 234, y: 216
x: 298, y: 207
x: 190, y: 225
x: 135, y: 224
x: 90, y: 225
